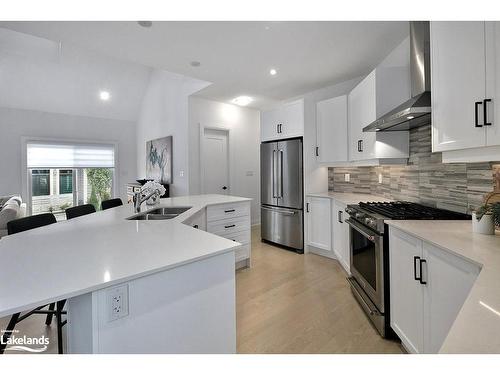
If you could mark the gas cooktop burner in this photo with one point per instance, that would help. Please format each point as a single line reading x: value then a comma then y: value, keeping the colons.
x: 411, y: 211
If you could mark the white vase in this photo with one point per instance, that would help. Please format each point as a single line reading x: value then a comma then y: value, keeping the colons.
x: 483, y: 226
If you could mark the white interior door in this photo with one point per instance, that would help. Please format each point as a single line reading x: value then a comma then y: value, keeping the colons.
x: 215, y: 162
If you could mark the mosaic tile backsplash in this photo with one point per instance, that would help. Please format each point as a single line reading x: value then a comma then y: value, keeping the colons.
x: 458, y: 187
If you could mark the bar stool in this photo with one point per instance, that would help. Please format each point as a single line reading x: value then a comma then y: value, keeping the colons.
x: 81, y: 210
x: 110, y: 203
x: 21, y: 225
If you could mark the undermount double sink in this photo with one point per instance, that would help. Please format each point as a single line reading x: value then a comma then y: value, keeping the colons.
x: 160, y: 213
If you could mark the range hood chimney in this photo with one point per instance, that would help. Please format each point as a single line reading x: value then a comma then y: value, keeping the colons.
x: 416, y: 111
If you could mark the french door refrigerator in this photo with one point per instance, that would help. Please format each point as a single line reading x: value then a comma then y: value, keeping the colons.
x: 282, y: 193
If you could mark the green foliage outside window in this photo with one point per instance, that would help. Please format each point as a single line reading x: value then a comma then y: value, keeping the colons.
x: 100, y: 181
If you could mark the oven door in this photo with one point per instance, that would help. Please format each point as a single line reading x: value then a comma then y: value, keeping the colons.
x: 367, y: 257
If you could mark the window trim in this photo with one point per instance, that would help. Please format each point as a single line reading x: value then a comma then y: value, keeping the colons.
x: 25, y: 172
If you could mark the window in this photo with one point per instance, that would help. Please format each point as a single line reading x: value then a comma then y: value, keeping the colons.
x: 40, y: 182
x: 62, y: 175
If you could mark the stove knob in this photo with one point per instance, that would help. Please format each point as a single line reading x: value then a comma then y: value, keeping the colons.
x: 359, y: 215
x: 370, y: 222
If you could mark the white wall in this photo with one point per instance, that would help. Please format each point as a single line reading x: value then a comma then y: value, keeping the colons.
x: 316, y: 175
x: 16, y: 123
x: 164, y: 112
x: 244, y: 146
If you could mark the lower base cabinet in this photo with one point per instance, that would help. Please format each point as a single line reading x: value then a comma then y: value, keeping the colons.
x: 428, y: 287
x: 231, y: 221
x: 340, y: 233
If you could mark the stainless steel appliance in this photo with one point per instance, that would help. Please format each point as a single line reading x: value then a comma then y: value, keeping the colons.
x: 369, y: 247
x: 416, y: 111
x: 282, y: 193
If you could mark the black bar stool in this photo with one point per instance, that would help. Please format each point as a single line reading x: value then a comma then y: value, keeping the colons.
x: 81, y: 210
x: 110, y: 203
x: 21, y: 225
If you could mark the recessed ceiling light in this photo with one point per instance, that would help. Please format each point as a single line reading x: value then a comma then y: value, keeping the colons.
x: 410, y: 117
x: 273, y: 72
x: 145, y: 23
x: 104, y: 95
x: 242, y: 100
x: 195, y: 63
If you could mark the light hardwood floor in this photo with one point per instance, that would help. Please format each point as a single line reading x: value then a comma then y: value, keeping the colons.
x: 286, y: 303
x: 291, y: 303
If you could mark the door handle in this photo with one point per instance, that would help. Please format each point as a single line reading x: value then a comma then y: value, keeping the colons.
x: 476, y: 114
x: 361, y: 145
x: 340, y: 216
x: 224, y: 188
x: 228, y: 211
x: 317, y: 151
x: 485, y: 111
x: 307, y: 207
x: 275, y: 174
x: 280, y: 166
x: 281, y: 128
x: 421, y: 275
x: 277, y: 128
x: 229, y: 226
x: 415, y: 259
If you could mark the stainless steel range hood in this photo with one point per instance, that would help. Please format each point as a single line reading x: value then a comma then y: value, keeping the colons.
x: 416, y: 111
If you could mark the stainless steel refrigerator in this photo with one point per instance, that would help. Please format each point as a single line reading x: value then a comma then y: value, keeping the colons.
x: 282, y: 193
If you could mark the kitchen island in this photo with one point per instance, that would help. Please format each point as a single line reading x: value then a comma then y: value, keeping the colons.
x: 132, y: 286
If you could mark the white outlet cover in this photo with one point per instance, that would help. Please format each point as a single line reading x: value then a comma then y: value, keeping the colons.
x: 347, y: 177
x: 380, y: 178
x: 117, y: 302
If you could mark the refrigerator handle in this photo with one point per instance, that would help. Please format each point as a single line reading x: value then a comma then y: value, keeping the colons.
x: 280, y: 165
x: 275, y: 174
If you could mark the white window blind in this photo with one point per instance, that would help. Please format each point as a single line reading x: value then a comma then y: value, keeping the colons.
x: 63, y: 155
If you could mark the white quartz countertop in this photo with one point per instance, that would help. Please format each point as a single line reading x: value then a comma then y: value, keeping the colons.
x: 95, y: 251
x: 477, y: 326
x: 349, y: 198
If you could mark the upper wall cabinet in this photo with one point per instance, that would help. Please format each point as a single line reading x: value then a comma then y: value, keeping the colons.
x: 382, y: 90
x: 331, y: 128
x: 286, y: 121
x: 465, y: 69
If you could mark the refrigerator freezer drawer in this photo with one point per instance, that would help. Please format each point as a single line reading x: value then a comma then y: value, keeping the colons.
x: 282, y: 226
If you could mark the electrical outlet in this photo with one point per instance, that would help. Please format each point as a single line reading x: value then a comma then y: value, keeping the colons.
x: 380, y: 178
x: 117, y: 298
x: 181, y: 174
x: 347, y: 177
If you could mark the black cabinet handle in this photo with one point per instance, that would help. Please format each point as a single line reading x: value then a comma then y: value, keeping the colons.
x: 361, y: 145
x: 317, y: 151
x: 281, y: 128
x: 421, y: 278
x: 229, y: 226
x: 307, y: 207
x: 195, y: 226
x: 485, y: 111
x: 340, y: 217
x: 277, y: 128
x: 476, y: 114
x: 227, y: 211
x: 415, y: 259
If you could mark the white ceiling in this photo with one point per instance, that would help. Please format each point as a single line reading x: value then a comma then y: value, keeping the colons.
x: 39, y: 74
x: 236, y: 56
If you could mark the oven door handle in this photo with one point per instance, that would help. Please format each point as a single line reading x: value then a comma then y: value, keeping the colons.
x: 370, y: 237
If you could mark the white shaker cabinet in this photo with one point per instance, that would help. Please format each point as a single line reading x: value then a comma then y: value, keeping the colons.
x: 340, y: 232
x: 428, y: 287
x: 465, y: 69
x: 331, y: 130
x: 319, y: 223
x: 386, y: 87
x: 458, y: 85
x: 407, y: 318
x: 285, y: 121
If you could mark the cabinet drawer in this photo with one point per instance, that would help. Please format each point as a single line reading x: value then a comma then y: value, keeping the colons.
x: 229, y: 226
x: 241, y: 237
x: 243, y: 252
x: 229, y: 210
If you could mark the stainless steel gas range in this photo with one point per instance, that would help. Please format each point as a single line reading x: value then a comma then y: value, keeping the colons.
x: 369, y: 247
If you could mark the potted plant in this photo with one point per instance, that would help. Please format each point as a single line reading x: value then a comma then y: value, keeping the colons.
x: 485, y: 218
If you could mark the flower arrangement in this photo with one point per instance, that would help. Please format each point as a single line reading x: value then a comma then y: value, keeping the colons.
x: 151, y: 187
